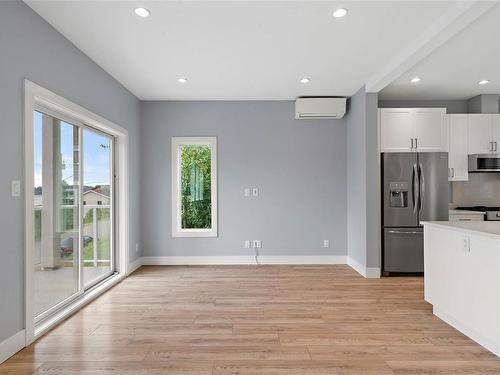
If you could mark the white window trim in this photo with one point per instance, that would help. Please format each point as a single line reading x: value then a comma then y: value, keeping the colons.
x: 35, y: 96
x: 176, y: 199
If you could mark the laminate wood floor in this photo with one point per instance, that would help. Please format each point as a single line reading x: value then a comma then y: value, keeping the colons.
x: 266, y: 320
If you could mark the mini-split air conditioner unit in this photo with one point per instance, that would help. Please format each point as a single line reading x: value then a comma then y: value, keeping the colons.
x: 320, y: 108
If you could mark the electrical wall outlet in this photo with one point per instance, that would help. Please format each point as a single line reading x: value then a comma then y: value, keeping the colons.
x: 257, y: 244
x: 248, y: 244
x: 255, y: 192
x: 326, y: 243
x: 246, y: 192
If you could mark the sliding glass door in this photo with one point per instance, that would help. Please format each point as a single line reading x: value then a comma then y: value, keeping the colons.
x: 73, y: 208
x: 97, y: 204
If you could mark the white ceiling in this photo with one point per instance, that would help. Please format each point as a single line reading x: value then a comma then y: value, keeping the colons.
x: 235, y: 50
x: 453, y: 70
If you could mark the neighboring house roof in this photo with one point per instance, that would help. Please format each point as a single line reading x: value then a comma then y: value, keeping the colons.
x: 95, y: 192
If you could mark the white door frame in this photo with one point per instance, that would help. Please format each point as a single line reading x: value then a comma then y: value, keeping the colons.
x: 35, y: 95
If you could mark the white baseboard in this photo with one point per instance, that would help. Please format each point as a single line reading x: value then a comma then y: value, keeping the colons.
x: 303, y: 259
x: 196, y: 260
x: 248, y: 260
x: 487, y: 343
x: 369, y: 273
x: 12, y: 345
x: 134, y: 265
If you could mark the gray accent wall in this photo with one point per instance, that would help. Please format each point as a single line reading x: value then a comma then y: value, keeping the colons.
x: 299, y: 167
x: 484, y: 103
x: 363, y: 218
x: 31, y: 48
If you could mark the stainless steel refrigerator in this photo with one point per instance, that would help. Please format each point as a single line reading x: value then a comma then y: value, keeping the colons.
x: 415, y: 188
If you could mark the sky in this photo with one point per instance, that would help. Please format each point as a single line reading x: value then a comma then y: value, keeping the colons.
x: 96, y: 154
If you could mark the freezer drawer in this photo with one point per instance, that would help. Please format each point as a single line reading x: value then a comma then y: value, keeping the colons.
x: 403, y: 250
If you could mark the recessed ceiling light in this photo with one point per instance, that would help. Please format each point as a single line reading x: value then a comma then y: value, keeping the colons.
x: 305, y: 80
x: 415, y: 79
x: 142, y: 12
x: 341, y: 12
x: 483, y: 82
x: 182, y: 80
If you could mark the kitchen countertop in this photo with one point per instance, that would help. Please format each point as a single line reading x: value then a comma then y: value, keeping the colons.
x: 484, y: 228
x: 466, y: 212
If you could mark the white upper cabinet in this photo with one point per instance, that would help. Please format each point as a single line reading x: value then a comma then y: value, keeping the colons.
x: 412, y: 129
x: 457, y: 140
x: 495, y: 132
x: 430, y: 129
x: 397, y: 129
x: 480, y: 134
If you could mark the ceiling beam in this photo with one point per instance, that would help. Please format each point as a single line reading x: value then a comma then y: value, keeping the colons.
x: 462, y: 14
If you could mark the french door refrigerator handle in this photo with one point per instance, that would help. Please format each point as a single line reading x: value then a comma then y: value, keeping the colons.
x: 421, y: 186
x: 414, y: 188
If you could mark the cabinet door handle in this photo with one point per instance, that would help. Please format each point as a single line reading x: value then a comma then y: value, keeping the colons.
x: 412, y: 143
x: 491, y: 146
x: 496, y: 146
x: 416, y: 143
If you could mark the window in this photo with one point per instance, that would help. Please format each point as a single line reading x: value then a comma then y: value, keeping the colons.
x: 194, y: 187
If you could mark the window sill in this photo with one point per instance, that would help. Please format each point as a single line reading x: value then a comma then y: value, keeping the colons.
x: 195, y: 233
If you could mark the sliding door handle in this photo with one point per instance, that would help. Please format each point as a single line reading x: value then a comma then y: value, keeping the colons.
x: 412, y: 143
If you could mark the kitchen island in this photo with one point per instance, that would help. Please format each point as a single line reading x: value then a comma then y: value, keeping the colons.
x: 462, y: 277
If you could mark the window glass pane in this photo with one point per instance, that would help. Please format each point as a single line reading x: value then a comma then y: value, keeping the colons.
x: 195, y: 184
x: 97, y: 224
x: 56, y: 211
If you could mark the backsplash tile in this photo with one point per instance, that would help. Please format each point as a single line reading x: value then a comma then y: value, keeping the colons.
x: 482, y: 189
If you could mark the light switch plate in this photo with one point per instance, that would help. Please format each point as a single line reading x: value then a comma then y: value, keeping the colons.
x: 247, y: 244
x: 326, y: 243
x: 255, y: 192
x: 257, y: 244
x: 16, y: 188
x: 247, y: 192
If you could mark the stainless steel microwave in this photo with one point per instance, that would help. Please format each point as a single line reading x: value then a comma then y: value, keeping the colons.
x: 484, y: 163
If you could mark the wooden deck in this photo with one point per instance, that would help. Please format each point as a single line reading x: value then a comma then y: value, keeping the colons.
x: 262, y: 320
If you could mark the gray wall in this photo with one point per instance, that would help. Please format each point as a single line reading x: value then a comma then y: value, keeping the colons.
x: 363, y: 227
x: 484, y: 103
x: 452, y: 106
x: 31, y: 48
x: 299, y: 167
x: 356, y: 178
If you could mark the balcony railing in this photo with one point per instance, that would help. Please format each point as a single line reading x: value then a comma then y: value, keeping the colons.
x: 96, y: 235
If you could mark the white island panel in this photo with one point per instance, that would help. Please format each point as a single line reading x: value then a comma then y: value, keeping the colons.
x: 462, y: 278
